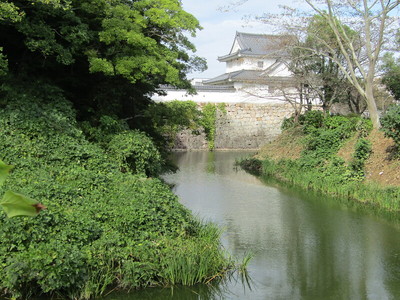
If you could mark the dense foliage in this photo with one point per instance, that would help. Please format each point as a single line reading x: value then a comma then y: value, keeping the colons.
x: 75, y: 81
x: 168, y: 118
x: 391, y: 77
x: 391, y: 124
x: 320, y: 168
x: 107, y: 56
x: 134, y: 151
x: 208, y: 122
x: 325, y: 135
x: 103, y: 227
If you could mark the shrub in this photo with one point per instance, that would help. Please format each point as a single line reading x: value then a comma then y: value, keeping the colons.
x: 313, y: 119
x: 169, y: 118
x: 287, y: 123
x: 103, y: 228
x: 134, y: 151
x: 363, y: 149
x: 391, y: 124
x: 104, y: 130
x: 208, y: 121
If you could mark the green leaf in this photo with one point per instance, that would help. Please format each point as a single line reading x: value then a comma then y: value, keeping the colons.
x: 4, y: 170
x: 19, y: 205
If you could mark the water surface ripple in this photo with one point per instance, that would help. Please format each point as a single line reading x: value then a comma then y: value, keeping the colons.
x: 305, y: 246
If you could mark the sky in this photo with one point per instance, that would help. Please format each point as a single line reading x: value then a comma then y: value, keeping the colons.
x: 220, y: 25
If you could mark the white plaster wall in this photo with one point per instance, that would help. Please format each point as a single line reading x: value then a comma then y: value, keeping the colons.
x: 282, y: 71
x: 235, y: 47
x: 234, y: 65
x: 241, y: 96
x: 248, y: 63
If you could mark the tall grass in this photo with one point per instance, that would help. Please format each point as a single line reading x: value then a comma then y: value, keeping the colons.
x: 289, y: 171
x: 196, y: 261
x: 98, y: 282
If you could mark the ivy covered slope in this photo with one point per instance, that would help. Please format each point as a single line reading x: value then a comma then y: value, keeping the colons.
x: 106, y: 225
x: 75, y: 81
x: 336, y: 155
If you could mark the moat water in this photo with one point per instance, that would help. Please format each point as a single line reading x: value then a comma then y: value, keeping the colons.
x: 304, y: 246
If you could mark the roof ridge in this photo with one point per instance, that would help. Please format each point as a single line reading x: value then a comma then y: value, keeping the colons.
x: 262, y: 34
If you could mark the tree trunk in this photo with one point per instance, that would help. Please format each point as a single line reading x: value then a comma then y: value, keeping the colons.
x: 371, y: 105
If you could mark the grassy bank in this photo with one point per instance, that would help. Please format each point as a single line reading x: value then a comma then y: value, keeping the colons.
x: 108, y: 224
x: 335, y: 155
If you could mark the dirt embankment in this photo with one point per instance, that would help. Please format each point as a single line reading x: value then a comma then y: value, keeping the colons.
x: 381, y: 167
x: 288, y: 145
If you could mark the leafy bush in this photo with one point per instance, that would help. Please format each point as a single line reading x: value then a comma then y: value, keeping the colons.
x: 312, y: 120
x: 363, y: 149
x: 103, y: 228
x: 391, y: 124
x: 208, y: 121
x: 104, y: 130
x: 322, y: 143
x: 288, y: 123
x: 135, y: 151
x: 167, y: 119
x: 319, y: 167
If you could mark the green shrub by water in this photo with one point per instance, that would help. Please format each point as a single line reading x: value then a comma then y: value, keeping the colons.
x: 107, y: 225
x: 134, y: 151
x: 168, y: 118
x: 391, y: 125
x: 320, y: 169
x: 208, y: 121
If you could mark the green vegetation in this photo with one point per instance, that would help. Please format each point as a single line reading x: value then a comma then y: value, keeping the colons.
x: 75, y: 81
x: 320, y: 168
x: 106, y: 57
x: 107, y: 225
x: 135, y: 152
x: 391, y: 125
x: 15, y: 204
x: 169, y: 118
x: 391, y: 77
x: 210, y: 112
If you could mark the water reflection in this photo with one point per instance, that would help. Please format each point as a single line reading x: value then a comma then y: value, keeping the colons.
x: 176, y: 293
x: 305, y: 246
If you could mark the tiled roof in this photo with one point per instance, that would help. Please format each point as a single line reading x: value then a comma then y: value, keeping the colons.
x: 251, y: 76
x: 242, y: 75
x: 259, y: 45
x: 200, y: 88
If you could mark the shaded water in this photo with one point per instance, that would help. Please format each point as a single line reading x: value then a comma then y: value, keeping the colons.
x: 305, y: 246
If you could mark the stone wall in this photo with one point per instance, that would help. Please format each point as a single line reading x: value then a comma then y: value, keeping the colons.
x: 186, y: 140
x: 249, y: 126
x: 241, y: 126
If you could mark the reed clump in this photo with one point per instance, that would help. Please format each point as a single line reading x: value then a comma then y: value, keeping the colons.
x: 196, y: 261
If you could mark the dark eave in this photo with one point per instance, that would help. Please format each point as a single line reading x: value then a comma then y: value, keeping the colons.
x: 248, y: 76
